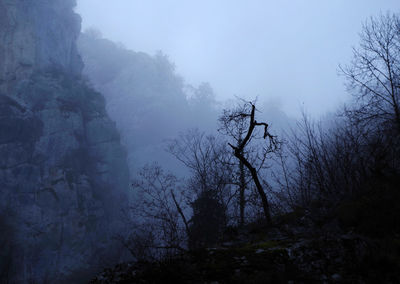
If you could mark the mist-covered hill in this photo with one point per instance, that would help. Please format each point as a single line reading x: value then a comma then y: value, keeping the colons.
x: 150, y: 102
x: 146, y: 98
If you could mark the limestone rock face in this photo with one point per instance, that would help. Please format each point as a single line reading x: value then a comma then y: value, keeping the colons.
x: 63, y: 174
x: 37, y: 35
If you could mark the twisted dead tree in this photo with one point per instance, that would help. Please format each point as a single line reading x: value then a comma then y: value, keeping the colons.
x: 245, y: 115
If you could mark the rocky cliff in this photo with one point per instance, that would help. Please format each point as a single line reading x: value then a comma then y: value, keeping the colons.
x: 63, y: 173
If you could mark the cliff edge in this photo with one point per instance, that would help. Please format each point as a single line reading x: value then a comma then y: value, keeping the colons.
x: 63, y: 174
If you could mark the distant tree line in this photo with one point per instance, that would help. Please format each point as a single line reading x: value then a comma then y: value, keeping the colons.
x: 141, y: 90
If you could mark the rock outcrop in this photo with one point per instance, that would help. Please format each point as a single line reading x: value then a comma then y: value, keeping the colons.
x: 63, y: 174
x: 37, y: 35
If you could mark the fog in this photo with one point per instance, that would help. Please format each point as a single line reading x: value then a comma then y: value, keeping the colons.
x: 286, y: 50
x: 199, y: 141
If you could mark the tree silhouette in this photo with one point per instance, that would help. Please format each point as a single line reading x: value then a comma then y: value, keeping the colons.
x: 245, y: 115
x: 373, y: 75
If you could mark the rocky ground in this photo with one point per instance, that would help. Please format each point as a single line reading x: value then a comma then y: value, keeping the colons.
x: 295, y: 250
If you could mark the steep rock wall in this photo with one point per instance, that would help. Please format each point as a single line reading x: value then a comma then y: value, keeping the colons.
x: 37, y: 35
x: 63, y: 174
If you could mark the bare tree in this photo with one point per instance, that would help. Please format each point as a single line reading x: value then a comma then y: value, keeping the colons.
x: 208, y: 160
x: 374, y: 73
x: 245, y: 115
x: 209, y: 185
x: 236, y: 129
x: 328, y: 161
x: 160, y: 208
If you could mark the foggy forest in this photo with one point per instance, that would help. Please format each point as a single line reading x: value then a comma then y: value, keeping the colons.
x: 199, y: 142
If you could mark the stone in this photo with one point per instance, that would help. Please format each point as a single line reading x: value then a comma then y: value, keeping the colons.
x: 63, y: 173
x: 38, y: 35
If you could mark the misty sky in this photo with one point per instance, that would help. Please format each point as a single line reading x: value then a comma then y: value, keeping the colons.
x: 288, y: 51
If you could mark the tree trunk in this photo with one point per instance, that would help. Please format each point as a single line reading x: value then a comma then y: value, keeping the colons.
x: 260, y: 190
x: 242, y: 187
